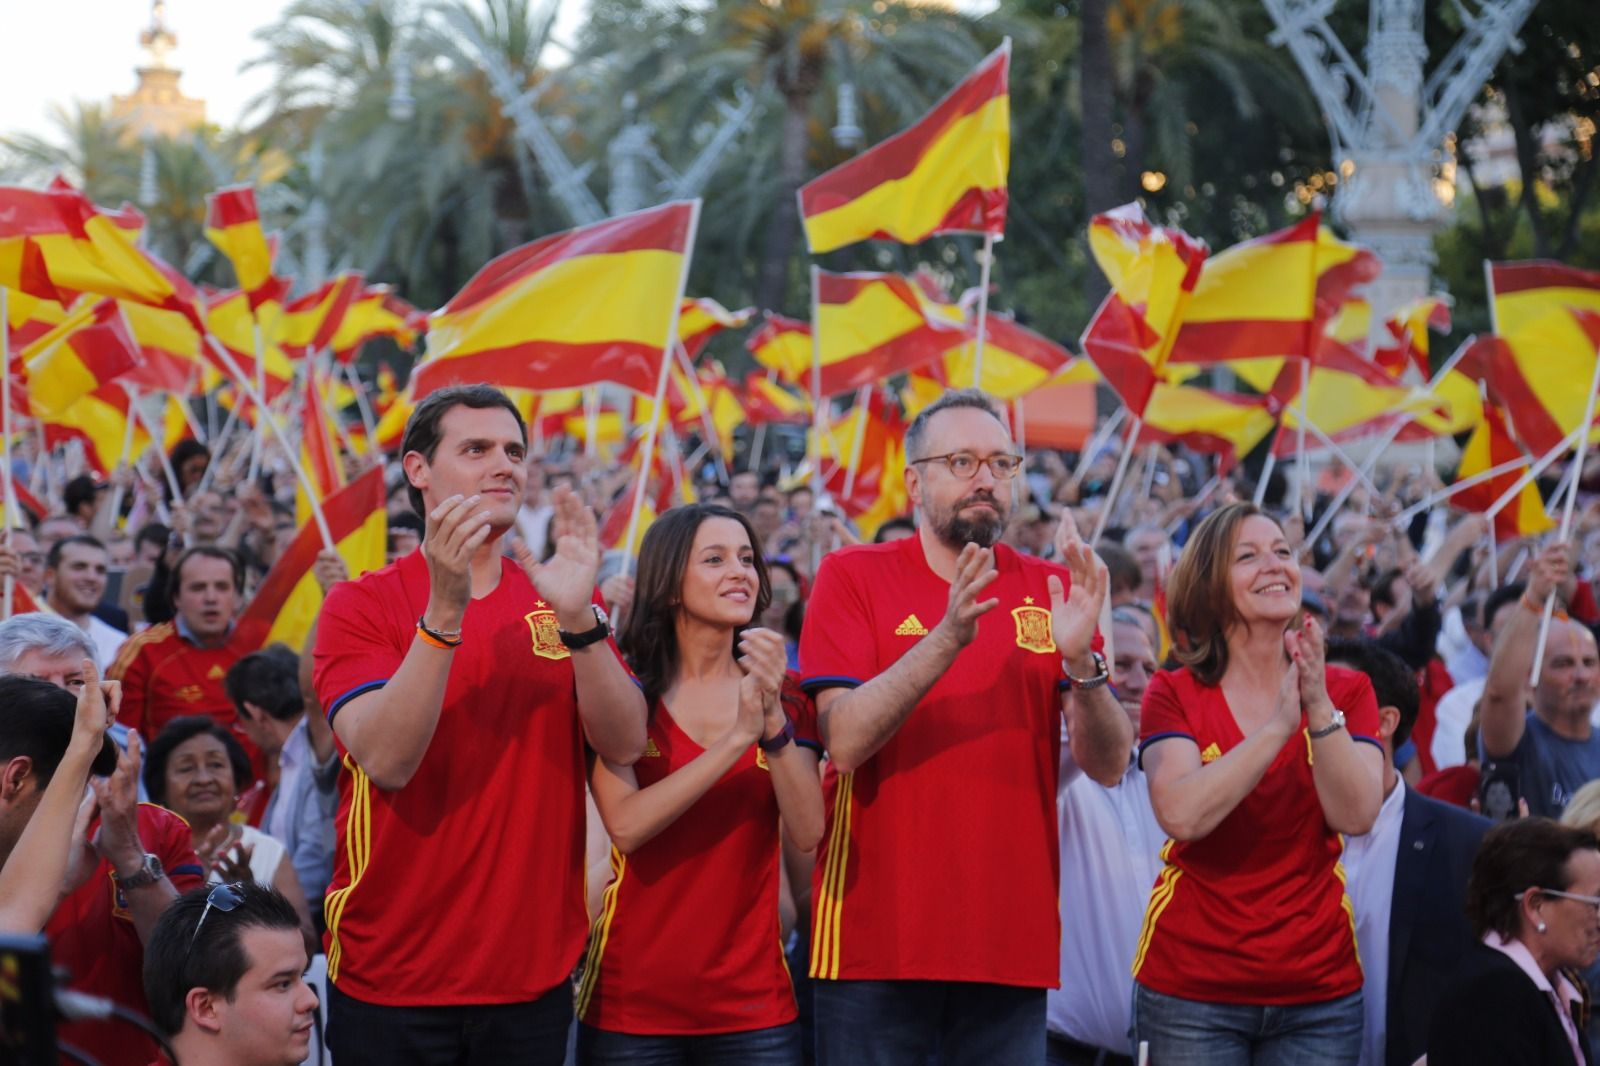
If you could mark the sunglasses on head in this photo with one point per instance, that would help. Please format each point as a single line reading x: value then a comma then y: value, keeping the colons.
x: 224, y: 898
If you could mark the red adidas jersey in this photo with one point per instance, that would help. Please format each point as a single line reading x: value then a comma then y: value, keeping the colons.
x: 941, y: 858
x: 1255, y: 912
x: 165, y: 676
x: 466, y: 885
x: 687, y: 940
x: 92, y: 936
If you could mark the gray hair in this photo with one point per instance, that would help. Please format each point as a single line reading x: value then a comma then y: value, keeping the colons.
x: 47, y: 633
x: 973, y: 398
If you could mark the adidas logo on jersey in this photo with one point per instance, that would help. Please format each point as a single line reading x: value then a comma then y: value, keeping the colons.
x: 1211, y: 754
x: 650, y: 749
x: 215, y: 674
x: 911, y: 627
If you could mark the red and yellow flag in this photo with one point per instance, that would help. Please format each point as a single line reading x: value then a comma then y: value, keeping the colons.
x: 1408, y: 328
x: 1219, y: 423
x: 1546, y: 355
x: 946, y: 174
x: 169, y: 345
x: 55, y: 244
x: 784, y: 345
x: 877, y: 491
x: 234, y: 225
x: 702, y: 318
x: 377, y: 312
x: 874, y: 325
x: 319, y: 446
x: 1490, y: 446
x: 767, y: 401
x: 228, y: 318
x: 287, y: 603
x: 100, y: 421
x: 310, y: 323
x: 591, y: 304
x: 30, y: 317
x: 88, y: 350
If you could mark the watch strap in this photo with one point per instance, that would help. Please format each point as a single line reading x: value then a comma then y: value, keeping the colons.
x: 1334, y: 725
x: 782, y: 740
x: 149, y: 873
x: 1085, y: 684
x: 577, y: 641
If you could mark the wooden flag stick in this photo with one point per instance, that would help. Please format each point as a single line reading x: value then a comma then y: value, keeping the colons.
x: 5, y: 442
x: 987, y: 256
x: 1116, y: 481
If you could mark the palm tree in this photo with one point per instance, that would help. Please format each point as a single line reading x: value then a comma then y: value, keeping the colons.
x: 92, y: 150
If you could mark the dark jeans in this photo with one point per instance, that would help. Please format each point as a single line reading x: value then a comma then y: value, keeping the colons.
x: 1186, y: 1032
x: 915, y: 1023
x: 1063, y: 1051
x: 509, y: 1034
x: 777, y: 1046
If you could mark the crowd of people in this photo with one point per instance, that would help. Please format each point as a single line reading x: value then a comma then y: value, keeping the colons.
x: 974, y: 791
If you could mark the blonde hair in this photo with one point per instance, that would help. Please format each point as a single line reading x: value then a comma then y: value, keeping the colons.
x: 1583, y: 811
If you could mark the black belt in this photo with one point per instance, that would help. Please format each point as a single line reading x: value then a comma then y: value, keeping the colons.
x: 1080, y: 1054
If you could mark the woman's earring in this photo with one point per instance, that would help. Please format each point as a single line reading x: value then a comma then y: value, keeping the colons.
x: 1540, y: 927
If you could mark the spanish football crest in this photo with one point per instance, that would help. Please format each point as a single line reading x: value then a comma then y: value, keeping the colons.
x: 546, y: 633
x: 1033, y: 628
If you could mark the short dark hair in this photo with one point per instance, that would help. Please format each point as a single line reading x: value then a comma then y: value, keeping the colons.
x: 897, y: 522
x: 179, y: 730
x: 79, y: 491
x: 1381, y: 586
x: 152, y: 533
x: 1514, y: 857
x: 53, y: 558
x: 36, y: 721
x: 1392, y: 680
x: 270, y: 679
x: 1121, y: 567
x: 974, y: 399
x: 190, y: 948
x: 422, y: 433
x: 208, y: 551
x: 1499, y: 598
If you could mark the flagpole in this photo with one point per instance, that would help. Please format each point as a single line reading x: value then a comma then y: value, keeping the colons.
x: 816, y: 388
x: 261, y: 392
x: 264, y: 412
x: 859, y: 438
x: 1303, y: 478
x: 220, y: 448
x: 1116, y: 481
x: 368, y: 421
x: 1267, y: 468
x: 1020, y: 430
x: 1585, y: 429
x: 1450, y: 490
x: 1096, y: 442
x: 707, y: 426
x: 1149, y: 471
x: 1535, y: 470
x: 127, y: 448
x: 983, y: 309
x: 756, y: 444
x: 591, y: 420
x: 136, y: 412
x: 5, y: 416
x: 648, y: 458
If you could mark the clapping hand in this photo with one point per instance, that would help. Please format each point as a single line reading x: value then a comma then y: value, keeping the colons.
x: 567, y: 579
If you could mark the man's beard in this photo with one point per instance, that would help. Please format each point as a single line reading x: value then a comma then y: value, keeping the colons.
x: 984, y: 530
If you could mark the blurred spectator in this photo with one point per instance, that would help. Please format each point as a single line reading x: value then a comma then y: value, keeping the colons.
x: 75, y: 574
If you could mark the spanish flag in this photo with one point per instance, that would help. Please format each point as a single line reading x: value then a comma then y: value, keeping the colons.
x: 169, y: 346
x: 784, y: 345
x: 229, y: 319
x: 1546, y: 355
x: 1016, y: 360
x: 592, y: 304
x: 946, y: 174
x: 88, y: 350
x: 310, y: 323
x: 100, y: 420
x: 767, y: 401
x: 874, y: 325
x: 1219, y: 423
x: 1490, y: 446
x: 1408, y: 329
x: 30, y: 317
x: 55, y: 244
x: 376, y: 312
x: 234, y: 225
x: 877, y: 491
x: 702, y: 318
x: 1345, y: 392
x: 287, y: 603
x: 319, y: 446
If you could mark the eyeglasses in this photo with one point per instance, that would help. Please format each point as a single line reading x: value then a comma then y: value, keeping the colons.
x: 31, y: 558
x: 1593, y: 901
x: 224, y: 898
x: 964, y: 465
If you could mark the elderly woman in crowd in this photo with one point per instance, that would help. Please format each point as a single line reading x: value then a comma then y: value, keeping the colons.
x: 1534, y: 898
x: 1254, y: 753
x: 196, y: 769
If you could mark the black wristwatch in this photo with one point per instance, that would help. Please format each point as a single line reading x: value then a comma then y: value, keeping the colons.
x: 1084, y: 684
x: 601, y: 630
x: 778, y: 743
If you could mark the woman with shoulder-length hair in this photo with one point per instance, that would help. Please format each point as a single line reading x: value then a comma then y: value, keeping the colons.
x: 685, y: 963
x: 1517, y: 1000
x: 1251, y: 748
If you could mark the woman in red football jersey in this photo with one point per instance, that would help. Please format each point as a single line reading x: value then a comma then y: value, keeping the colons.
x: 685, y: 962
x: 1248, y: 951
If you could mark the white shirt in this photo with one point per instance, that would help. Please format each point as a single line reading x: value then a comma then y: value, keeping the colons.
x: 1461, y: 657
x: 1110, y: 856
x: 1452, y: 714
x: 108, y: 639
x: 1369, y: 862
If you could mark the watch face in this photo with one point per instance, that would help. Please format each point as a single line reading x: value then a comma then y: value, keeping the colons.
x: 600, y: 615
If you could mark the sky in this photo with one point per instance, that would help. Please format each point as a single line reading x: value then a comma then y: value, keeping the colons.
x: 98, y: 60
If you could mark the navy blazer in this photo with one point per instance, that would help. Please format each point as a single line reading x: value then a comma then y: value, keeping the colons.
x: 1494, y: 1015
x: 1428, y: 930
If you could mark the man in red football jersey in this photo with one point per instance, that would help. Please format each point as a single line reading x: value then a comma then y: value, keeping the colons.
x: 942, y: 664
x: 463, y: 687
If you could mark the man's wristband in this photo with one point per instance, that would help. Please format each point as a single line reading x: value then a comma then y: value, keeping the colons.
x: 437, y: 638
